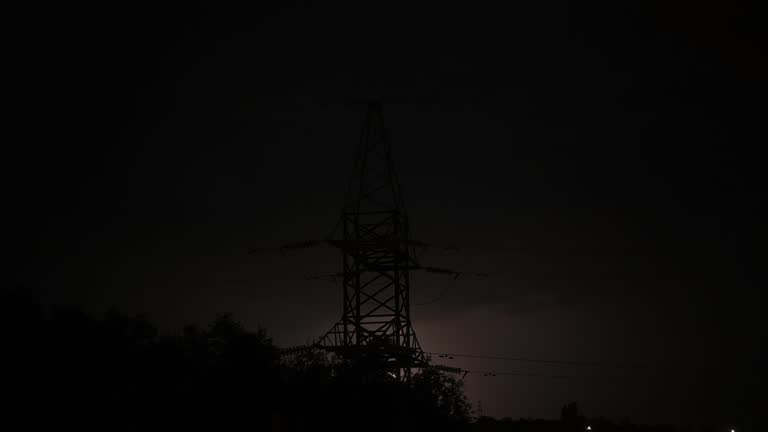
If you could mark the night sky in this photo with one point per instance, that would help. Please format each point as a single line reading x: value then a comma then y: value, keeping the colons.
x: 602, y: 163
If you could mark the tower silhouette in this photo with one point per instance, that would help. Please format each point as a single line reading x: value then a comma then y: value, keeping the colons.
x: 373, y: 235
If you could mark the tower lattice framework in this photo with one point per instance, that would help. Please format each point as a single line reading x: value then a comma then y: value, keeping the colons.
x: 373, y: 235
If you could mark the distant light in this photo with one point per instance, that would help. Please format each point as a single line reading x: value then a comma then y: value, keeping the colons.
x: 395, y: 376
x: 733, y: 430
x: 590, y: 428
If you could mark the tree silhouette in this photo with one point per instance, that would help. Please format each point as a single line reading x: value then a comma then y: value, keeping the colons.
x: 67, y: 369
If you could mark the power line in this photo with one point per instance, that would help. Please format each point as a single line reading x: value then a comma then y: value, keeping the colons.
x: 533, y: 360
x: 521, y: 374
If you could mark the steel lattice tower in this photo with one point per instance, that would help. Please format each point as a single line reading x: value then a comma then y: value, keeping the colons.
x: 374, y: 238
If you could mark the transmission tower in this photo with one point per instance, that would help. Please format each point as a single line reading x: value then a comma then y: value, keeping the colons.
x: 373, y: 235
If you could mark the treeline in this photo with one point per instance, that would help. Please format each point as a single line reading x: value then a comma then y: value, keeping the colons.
x: 570, y: 421
x: 68, y: 370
